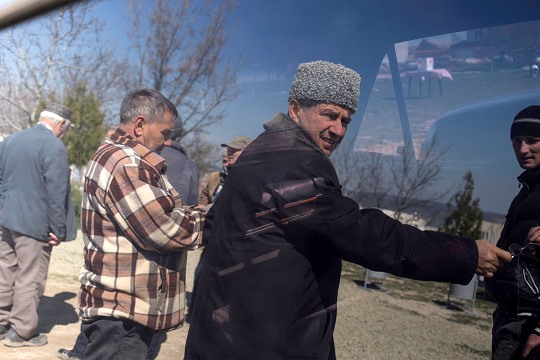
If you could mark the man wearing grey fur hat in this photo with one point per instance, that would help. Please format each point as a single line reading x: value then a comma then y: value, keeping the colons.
x: 516, y: 286
x: 35, y: 214
x: 281, y: 227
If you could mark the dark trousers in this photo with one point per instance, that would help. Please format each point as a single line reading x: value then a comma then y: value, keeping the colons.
x: 116, y: 339
x: 158, y: 338
x: 510, y: 334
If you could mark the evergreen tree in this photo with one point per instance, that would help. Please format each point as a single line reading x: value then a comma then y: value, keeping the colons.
x: 87, y: 129
x: 466, y: 217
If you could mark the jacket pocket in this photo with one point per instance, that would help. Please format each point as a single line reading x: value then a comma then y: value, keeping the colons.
x: 311, y: 337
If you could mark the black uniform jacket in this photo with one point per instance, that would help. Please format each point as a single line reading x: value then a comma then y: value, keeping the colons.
x: 513, y: 291
x: 277, y: 236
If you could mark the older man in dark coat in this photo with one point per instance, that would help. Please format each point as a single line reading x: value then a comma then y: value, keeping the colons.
x: 281, y: 228
x: 182, y: 172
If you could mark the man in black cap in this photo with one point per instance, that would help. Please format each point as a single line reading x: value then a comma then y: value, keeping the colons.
x: 516, y: 286
x: 281, y: 227
x: 35, y: 214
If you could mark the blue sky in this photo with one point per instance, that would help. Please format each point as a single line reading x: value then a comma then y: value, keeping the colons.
x: 271, y: 52
x: 264, y: 80
x: 270, y: 48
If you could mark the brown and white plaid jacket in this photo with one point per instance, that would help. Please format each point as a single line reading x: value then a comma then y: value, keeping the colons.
x: 135, y: 232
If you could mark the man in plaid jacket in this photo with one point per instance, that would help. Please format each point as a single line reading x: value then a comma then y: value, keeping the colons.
x: 136, y: 231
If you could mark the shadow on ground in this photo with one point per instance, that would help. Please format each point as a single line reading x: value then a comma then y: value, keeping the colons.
x: 370, y: 285
x: 55, y: 310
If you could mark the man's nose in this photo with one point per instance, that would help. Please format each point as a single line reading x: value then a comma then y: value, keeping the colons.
x: 338, y: 129
x: 523, y: 147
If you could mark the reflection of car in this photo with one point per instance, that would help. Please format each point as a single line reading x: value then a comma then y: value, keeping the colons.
x: 477, y: 137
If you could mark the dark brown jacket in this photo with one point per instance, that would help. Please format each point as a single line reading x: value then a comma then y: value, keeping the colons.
x: 278, y: 234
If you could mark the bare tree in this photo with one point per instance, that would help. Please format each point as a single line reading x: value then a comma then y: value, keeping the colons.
x: 399, y: 182
x: 45, y: 58
x: 179, y: 52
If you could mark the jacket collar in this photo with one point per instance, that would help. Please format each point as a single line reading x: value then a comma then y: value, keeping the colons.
x: 120, y: 137
x: 282, y: 122
x: 178, y: 147
x: 530, y: 178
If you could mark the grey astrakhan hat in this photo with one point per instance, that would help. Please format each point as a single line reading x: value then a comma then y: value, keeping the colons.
x: 59, y: 110
x: 526, y: 122
x: 326, y: 81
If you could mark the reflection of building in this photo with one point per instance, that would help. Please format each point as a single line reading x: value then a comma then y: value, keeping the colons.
x: 466, y: 49
x: 491, y: 226
x: 432, y: 215
x: 484, y: 49
x: 428, y: 48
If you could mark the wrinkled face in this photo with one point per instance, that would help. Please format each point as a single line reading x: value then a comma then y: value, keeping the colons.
x: 527, y: 150
x: 325, y: 123
x: 232, y: 156
x: 156, y: 136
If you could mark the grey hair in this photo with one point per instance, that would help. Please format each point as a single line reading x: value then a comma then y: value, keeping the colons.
x: 146, y: 102
x: 45, y: 114
x: 306, y: 104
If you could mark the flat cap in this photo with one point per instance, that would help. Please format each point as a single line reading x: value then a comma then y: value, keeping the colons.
x: 59, y: 110
x: 326, y: 81
x: 238, y: 143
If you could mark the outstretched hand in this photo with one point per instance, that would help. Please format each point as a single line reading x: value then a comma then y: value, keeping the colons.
x: 490, y: 258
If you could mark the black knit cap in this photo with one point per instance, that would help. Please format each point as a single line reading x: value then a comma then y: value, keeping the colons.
x: 526, y: 122
x: 59, y: 110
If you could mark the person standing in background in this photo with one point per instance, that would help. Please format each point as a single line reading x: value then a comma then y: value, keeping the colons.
x: 183, y: 175
x: 516, y: 286
x: 36, y: 214
x: 136, y: 232
x: 215, y: 181
x: 182, y: 172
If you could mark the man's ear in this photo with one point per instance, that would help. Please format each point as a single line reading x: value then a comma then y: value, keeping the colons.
x: 138, y: 125
x: 294, y: 109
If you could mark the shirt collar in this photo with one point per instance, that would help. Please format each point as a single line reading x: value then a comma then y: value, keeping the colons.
x: 46, y: 126
x: 119, y: 136
x: 283, y: 122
